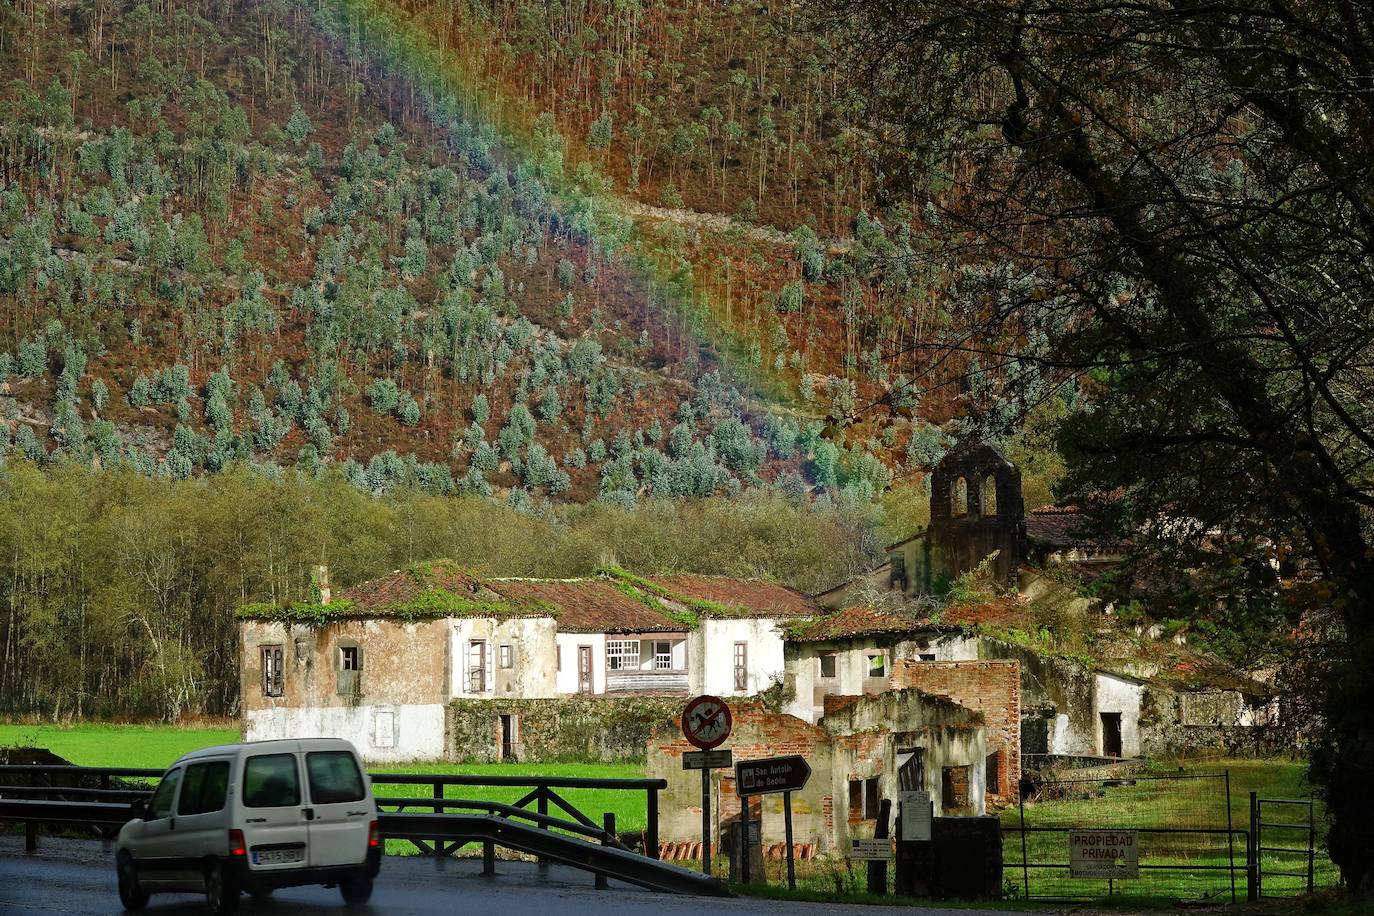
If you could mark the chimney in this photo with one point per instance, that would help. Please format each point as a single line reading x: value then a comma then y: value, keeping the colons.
x: 323, y: 574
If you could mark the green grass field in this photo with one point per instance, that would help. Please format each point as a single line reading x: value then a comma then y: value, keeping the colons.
x: 1196, y: 801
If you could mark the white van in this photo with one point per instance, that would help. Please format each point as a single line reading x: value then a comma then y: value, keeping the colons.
x: 252, y: 818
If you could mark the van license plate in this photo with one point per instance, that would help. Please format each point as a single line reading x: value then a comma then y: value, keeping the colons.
x: 278, y: 856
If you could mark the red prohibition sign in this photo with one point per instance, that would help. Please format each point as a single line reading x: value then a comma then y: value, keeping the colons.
x: 706, y: 722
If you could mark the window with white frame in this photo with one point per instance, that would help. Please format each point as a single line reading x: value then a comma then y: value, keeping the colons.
x: 622, y: 654
x: 663, y: 655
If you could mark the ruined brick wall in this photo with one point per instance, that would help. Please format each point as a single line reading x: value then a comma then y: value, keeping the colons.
x: 994, y: 689
x: 757, y: 733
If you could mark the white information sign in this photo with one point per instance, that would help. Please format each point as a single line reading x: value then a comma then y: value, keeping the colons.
x: 1103, y: 854
x: 872, y: 850
x: 915, y: 815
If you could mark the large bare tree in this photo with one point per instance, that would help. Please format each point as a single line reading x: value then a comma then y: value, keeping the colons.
x: 1178, y: 200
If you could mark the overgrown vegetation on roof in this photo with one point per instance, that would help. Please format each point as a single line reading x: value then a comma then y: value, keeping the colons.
x: 430, y: 604
x: 661, y: 600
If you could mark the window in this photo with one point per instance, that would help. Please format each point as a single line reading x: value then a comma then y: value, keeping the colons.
x: 663, y: 655
x: 959, y: 498
x: 863, y: 799
x: 205, y: 787
x: 334, y: 777
x: 742, y: 666
x: 897, y: 577
x: 271, y: 781
x: 828, y: 666
x: 160, y: 805
x: 927, y: 656
x: 558, y: 658
x: 911, y: 769
x: 622, y: 654
x: 506, y: 654
x: 993, y: 772
x: 954, y: 788
x: 877, y: 665
x: 350, y: 670
x: 271, y: 671
x: 989, y: 496
x: 477, y: 666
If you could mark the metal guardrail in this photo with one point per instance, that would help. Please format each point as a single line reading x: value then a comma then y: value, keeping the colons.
x: 574, y: 840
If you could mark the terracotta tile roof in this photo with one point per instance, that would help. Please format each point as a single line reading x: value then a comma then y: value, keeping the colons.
x: 753, y: 597
x: 589, y: 605
x: 855, y: 622
x: 405, y: 585
x: 1063, y: 526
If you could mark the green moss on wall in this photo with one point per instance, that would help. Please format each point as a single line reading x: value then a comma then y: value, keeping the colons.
x: 602, y: 729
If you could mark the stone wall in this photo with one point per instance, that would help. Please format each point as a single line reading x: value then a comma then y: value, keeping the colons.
x: 608, y: 729
x: 994, y: 689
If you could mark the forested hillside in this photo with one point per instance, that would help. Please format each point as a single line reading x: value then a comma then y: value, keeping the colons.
x: 223, y: 238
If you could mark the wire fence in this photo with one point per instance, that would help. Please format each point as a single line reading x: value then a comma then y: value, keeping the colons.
x: 1186, y: 844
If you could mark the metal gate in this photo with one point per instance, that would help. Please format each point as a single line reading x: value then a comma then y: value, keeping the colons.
x: 1284, y: 838
x: 1181, y: 827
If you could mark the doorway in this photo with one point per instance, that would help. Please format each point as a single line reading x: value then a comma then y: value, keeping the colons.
x: 1111, y: 734
x: 508, y: 736
x: 584, y: 669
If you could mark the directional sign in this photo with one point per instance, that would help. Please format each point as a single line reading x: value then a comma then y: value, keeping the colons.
x: 872, y: 850
x: 771, y: 774
x: 706, y: 722
x: 708, y: 760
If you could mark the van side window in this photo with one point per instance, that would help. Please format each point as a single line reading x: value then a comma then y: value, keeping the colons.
x: 334, y: 777
x: 161, y: 803
x: 271, y: 781
x: 204, y: 788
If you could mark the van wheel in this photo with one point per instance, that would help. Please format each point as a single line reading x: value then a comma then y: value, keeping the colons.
x: 221, y: 897
x: 356, y: 888
x: 131, y: 893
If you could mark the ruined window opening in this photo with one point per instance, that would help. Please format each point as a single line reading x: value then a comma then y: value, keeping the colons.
x: 506, y: 657
x: 989, y: 496
x: 477, y: 666
x: 911, y: 769
x: 993, y: 770
x: 897, y: 578
x: 927, y: 656
x: 663, y: 656
x: 877, y: 665
x: 828, y: 665
x: 864, y: 798
x: 954, y: 788
x: 349, y: 674
x: 350, y: 659
x: 271, y: 671
x: 959, y: 498
x: 622, y: 654
x: 741, y: 666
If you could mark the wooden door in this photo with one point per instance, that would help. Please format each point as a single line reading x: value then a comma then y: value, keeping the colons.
x: 584, y: 669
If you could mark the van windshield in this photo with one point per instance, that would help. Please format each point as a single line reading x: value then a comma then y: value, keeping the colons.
x: 334, y: 777
x: 270, y: 781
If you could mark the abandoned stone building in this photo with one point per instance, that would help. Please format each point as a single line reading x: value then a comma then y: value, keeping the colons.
x: 385, y: 662
x: 861, y: 751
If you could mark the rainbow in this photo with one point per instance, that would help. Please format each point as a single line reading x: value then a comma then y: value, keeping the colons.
x: 470, y: 109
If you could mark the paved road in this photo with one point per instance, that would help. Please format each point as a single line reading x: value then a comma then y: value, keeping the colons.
x: 77, y: 876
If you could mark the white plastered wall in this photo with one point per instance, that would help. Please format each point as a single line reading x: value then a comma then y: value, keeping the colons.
x: 413, y: 732
x: 713, y: 654
x: 1120, y: 695
x: 568, y: 644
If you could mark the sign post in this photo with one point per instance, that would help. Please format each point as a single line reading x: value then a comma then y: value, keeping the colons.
x: 706, y: 723
x: 765, y: 777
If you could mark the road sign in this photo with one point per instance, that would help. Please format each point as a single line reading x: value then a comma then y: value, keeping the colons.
x: 708, y: 760
x: 706, y: 722
x: 771, y: 774
x: 872, y: 850
x: 1103, y: 854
